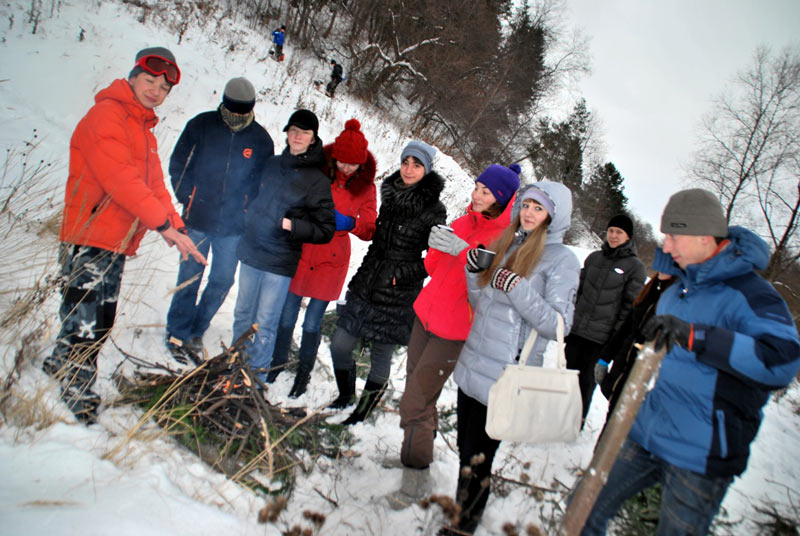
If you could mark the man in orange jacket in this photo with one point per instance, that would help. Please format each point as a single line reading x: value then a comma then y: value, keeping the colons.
x: 115, y: 192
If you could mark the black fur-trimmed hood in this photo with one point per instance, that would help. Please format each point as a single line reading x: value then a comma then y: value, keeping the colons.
x: 399, y: 200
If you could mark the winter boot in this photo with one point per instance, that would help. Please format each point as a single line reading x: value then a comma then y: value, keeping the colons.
x: 75, y: 381
x: 300, y: 382
x: 415, y: 486
x: 471, y: 496
x: 82, y: 402
x: 195, y: 344
x: 280, y: 353
x: 372, y: 394
x: 346, y: 381
x: 307, y: 356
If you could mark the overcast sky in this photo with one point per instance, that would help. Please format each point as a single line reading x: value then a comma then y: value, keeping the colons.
x: 656, y: 66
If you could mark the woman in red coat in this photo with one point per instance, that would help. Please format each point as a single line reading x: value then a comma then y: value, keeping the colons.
x: 444, y: 317
x: 323, y: 267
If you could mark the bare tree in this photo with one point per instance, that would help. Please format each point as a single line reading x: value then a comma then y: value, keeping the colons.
x: 749, y: 152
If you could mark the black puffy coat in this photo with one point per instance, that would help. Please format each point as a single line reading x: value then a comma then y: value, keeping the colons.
x: 216, y: 171
x: 381, y: 294
x: 611, y: 279
x: 619, y: 351
x: 291, y: 187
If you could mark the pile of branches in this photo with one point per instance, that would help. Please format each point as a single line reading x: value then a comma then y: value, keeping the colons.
x: 218, y: 410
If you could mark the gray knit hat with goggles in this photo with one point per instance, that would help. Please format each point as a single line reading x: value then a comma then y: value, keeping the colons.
x: 152, y: 51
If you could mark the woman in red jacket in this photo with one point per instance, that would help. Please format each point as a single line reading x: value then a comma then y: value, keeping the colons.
x: 444, y: 317
x: 323, y: 267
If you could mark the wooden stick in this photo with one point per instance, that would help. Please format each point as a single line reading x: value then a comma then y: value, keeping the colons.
x: 644, y: 371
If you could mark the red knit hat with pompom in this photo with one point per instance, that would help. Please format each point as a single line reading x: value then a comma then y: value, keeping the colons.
x: 350, y: 147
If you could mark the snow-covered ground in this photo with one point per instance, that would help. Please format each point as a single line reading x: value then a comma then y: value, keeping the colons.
x: 60, y: 477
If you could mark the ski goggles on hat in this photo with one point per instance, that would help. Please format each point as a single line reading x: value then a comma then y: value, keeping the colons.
x: 158, y: 65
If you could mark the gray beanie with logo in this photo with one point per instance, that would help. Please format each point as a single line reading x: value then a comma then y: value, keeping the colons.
x: 695, y: 212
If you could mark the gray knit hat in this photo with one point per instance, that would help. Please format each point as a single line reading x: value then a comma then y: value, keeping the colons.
x: 694, y: 212
x: 152, y: 51
x: 422, y: 152
x: 239, y: 96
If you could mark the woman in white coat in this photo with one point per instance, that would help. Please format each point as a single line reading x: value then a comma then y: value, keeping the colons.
x: 532, y: 279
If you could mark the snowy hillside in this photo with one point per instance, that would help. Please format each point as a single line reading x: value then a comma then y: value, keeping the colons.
x: 62, y: 478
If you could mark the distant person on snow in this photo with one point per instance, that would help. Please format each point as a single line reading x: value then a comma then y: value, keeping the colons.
x: 337, y: 75
x: 278, y: 37
x: 611, y: 279
x: 320, y: 275
x: 293, y: 206
x: 115, y: 192
x: 730, y: 340
x: 215, y: 170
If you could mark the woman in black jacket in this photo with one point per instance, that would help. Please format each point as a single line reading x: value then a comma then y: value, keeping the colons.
x: 381, y: 294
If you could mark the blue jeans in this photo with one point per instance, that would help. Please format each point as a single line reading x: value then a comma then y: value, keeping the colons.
x: 314, y: 312
x: 689, y: 500
x: 260, y: 301
x: 186, y: 317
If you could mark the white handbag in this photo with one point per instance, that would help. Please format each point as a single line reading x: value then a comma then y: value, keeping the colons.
x: 536, y: 404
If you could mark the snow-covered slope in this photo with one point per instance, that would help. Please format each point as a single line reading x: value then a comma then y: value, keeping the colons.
x: 64, y: 478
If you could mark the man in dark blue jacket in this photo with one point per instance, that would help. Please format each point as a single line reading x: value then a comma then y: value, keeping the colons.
x: 278, y: 37
x: 730, y: 340
x: 337, y: 75
x: 215, y: 170
x: 293, y: 206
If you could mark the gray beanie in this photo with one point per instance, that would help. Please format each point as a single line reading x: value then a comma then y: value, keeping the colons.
x: 239, y: 96
x: 422, y: 152
x: 152, y: 51
x: 695, y: 212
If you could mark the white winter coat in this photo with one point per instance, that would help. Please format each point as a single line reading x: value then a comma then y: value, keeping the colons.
x: 503, y: 320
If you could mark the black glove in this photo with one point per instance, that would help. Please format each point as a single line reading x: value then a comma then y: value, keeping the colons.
x: 669, y: 330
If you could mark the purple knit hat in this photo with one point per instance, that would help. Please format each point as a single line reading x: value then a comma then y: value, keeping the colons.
x: 502, y: 181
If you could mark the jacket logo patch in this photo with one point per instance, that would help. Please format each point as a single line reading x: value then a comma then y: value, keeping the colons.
x: 247, y: 153
x: 620, y: 271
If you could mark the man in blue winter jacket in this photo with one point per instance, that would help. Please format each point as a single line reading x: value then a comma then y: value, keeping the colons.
x: 730, y: 340
x: 215, y: 170
x: 278, y: 37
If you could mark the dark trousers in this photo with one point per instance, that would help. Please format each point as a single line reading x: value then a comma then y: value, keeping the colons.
x: 582, y: 355
x: 92, y: 278
x: 342, y: 346
x: 476, y: 451
x: 332, y: 85
x: 431, y: 360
